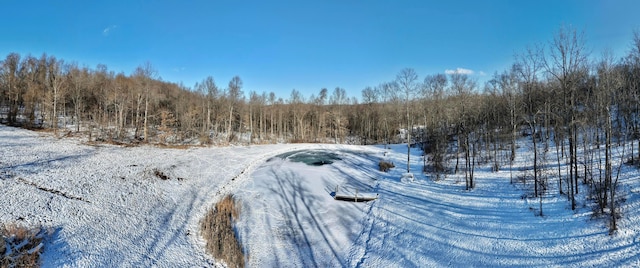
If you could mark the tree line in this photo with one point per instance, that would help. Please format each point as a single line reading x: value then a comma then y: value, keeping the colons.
x: 46, y: 92
x: 554, y: 94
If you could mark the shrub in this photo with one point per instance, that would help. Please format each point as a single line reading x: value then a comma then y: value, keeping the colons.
x: 217, y: 230
x: 385, y: 166
x: 20, y: 246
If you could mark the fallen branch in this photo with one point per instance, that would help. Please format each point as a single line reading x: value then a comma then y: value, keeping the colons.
x: 53, y: 191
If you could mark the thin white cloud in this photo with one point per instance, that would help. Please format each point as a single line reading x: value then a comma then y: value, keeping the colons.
x: 481, y: 73
x: 108, y: 30
x: 177, y: 70
x: 459, y: 71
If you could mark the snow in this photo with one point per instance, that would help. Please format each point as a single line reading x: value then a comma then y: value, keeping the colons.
x: 120, y: 214
x: 107, y: 208
x: 290, y: 220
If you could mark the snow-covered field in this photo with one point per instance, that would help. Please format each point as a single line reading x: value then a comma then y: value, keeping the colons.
x: 107, y: 208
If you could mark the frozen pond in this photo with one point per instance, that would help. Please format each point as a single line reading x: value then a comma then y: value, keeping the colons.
x: 312, y: 157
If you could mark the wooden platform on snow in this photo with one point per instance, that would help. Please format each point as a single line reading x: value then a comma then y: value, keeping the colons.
x: 354, y: 197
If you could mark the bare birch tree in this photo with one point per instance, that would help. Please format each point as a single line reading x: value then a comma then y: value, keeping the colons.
x: 408, y: 84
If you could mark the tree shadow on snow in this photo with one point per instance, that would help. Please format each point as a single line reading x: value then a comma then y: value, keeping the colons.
x: 304, y: 227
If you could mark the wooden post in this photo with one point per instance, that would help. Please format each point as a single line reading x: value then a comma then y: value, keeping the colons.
x: 356, y: 195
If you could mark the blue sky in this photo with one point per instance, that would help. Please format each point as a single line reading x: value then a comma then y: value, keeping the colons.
x: 306, y: 45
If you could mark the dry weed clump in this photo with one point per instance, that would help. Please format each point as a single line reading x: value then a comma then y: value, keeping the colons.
x: 385, y: 166
x: 20, y: 246
x: 160, y: 175
x: 217, y: 230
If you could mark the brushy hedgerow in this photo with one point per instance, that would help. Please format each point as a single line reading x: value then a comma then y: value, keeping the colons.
x: 217, y: 230
x: 20, y: 246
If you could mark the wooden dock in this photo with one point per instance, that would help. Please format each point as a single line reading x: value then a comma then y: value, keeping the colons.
x: 354, y: 197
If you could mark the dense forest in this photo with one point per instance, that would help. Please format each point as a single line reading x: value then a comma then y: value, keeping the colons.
x: 557, y: 93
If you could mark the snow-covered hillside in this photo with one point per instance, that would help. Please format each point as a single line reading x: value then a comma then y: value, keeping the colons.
x: 290, y: 219
x: 107, y: 208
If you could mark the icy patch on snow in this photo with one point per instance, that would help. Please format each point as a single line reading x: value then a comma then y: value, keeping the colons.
x: 312, y: 157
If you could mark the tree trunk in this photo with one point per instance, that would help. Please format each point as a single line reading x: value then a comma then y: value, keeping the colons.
x: 230, y: 120
x: 250, y: 124
x: 146, y: 113
x: 535, y: 159
x: 55, y: 108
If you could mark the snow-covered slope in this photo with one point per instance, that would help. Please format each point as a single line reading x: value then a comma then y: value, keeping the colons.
x: 290, y: 220
x: 107, y: 208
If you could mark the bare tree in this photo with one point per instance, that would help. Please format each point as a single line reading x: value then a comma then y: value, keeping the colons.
x: 508, y: 84
x: 13, y: 89
x: 609, y: 82
x: 33, y: 74
x: 408, y: 83
x: 78, y: 79
x: 320, y: 102
x: 120, y: 100
x: 144, y: 75
x: 56, y: 79
x: 436, y: 122
x: 338, y: 100
x: 296, y: 103
x: 211, y: 90
x: 631, y: 103
x: 462, y: 86
x: 370, y: 119
x: 565, y: 63
x: 234, y: 96
x: 527, y: 69
x: 388, y: 94
x: 256, y: 103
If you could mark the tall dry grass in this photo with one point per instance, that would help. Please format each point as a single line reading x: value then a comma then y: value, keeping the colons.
x: 217, y: 230
x: 20, y: 246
